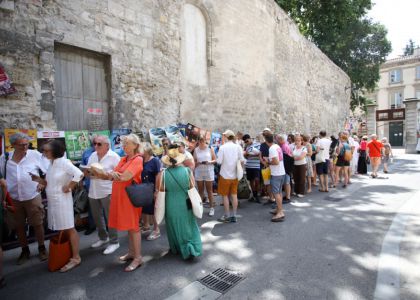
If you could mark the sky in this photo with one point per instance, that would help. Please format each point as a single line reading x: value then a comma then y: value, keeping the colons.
x: 401, y: 18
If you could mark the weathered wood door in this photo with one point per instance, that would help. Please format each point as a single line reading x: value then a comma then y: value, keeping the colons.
x: 396, y: 133
x: 82, y: 97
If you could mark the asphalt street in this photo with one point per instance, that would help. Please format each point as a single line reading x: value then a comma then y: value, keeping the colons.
x: 355, y: 243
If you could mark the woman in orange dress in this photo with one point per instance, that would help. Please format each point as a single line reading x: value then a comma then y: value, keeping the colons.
x: 122, y: 214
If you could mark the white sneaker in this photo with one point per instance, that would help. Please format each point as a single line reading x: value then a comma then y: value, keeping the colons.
x: 211, y: 212
x: 111, y: 248
x: 300, y: 195
x: 99, y: 243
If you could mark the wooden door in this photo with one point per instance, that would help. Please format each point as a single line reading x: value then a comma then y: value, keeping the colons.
x: 82, y: 98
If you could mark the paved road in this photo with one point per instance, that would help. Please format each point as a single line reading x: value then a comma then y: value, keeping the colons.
x: 332, y: 246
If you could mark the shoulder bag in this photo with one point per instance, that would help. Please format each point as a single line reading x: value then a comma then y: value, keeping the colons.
x: 141, y: 194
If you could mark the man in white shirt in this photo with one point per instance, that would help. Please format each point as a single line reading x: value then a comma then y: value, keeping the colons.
x: 322, y: 160
x: 228, y: 156
x: 100, y: 193
x: 16, y: 167
x: 278, y: 174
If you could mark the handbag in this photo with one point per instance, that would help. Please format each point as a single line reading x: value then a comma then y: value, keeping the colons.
x: 160, y: 201
x: 59, y: 252
x: 239, y: 170
x: 141, y: 194
x: 80, y: 200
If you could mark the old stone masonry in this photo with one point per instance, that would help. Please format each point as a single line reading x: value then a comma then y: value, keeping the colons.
x: 144, y: 63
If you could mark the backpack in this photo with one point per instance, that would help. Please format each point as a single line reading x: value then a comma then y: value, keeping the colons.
x: 346, y: 152
x: 244, y: 192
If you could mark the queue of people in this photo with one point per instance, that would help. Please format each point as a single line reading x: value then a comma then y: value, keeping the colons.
x: 295, y: 162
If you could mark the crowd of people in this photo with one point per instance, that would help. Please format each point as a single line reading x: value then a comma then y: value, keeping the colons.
x: 276, y: 167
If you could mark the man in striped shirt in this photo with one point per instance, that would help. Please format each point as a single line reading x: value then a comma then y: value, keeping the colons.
x: 252, y: 165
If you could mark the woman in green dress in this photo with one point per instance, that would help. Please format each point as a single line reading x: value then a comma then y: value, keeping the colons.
x: 181, y: 226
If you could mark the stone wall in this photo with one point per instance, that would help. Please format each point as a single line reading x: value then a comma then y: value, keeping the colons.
x: 260, y: 70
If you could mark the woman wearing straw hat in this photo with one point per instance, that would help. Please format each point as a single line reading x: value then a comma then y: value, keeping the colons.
x: 181, y: 226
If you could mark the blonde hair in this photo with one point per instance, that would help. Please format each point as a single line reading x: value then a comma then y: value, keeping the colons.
x: 135, y: 140
x: 147, y: 148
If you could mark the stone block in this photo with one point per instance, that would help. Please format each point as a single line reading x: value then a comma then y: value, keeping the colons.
x: 7, y: 5
x: 114, y: 33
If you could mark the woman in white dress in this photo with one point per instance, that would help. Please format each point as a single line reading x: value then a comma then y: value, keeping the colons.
x: 62, y: 176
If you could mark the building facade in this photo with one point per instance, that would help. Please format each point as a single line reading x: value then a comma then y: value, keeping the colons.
x: 145, y: 63
x: 395, y: 113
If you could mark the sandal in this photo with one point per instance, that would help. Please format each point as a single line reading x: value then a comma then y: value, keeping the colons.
x: 73, y: 263
x: 136, y: 263
x: 153, y: 236
x: 279, y: 219
x: 126, y: 257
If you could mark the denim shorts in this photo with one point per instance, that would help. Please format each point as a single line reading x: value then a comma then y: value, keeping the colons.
x: 286, y: 179
x: 277, y: 183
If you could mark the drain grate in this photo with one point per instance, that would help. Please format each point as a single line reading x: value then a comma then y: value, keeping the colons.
x: 222, y: 280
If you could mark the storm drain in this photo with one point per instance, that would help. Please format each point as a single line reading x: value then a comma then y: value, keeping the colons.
x: 222, y: 280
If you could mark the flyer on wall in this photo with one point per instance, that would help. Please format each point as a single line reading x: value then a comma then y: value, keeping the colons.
x: 115, y: 138
x: 174, y: 134
x: 156, y: 136
x: 76, y: 143
x: 29, y: 132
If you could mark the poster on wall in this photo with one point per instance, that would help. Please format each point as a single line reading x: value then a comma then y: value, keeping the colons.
x: 45, y: 136
x: 193, y: 134
x: 174, y: 134
x: 115, y: 138
x: 76, y: 143
x: 6, y: 85
x: 29, y: 132
x: 216, y: 141
x: 156, y: 136
x: 182, y: 129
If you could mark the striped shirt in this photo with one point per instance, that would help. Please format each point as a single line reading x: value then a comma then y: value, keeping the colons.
x: 253, y: 162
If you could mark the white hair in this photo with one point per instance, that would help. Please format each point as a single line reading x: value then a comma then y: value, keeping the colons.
x: 18, y: 136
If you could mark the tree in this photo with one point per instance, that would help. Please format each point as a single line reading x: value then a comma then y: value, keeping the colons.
x: 342, y: 31
x: 409, y: 48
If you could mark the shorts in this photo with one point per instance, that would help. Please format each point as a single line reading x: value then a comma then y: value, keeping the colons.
x: 286, y: 179
x: 227, y: 187
x: 322, y: 168
x: 375, y: 161
x: 33, y: 210
x: 204, y: 173
x: 252, y: 174
x: 277, y: 184
x: 342, y: 163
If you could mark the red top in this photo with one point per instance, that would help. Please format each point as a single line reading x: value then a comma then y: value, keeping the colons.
x: 122, y: 214
x: 374, y: 148
x: 363, y: 145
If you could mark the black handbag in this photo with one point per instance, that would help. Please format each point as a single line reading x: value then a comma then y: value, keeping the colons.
x: 141, y: 194
x: 80, y: 200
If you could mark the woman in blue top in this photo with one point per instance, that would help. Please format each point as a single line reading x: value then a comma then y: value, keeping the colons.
x: 151, y: 168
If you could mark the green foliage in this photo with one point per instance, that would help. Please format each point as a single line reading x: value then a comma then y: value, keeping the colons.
x: 342, y: 31
x: 409, y: 48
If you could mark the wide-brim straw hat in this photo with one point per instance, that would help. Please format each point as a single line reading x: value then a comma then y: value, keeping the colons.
x: 176, y: 155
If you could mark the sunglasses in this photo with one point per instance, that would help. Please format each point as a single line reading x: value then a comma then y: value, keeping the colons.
x: 165, y: 144
x: 97, y: 144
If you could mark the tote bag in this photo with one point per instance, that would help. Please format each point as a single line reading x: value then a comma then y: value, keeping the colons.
x: 160, y: 201
x: 59, y: 252
x: 239, y: 170
x: 196, y: 203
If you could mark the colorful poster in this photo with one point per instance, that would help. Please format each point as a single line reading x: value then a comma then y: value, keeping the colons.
x: 116, y: 135
x: 156, y: 136
x: 216, y: 141
x: 193, y: 134
x: 29, y: 132
x: 45, y: 136
x: 182, y: 129
x: 174, y: 134
x: 6, y: 85
x: 76, y: 143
